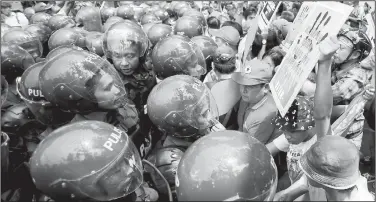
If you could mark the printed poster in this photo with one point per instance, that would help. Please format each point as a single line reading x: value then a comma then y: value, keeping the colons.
x: 323, y: 20
x: 268, y: 13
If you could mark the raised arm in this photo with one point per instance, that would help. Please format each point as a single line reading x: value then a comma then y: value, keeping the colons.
x: 323, y: 94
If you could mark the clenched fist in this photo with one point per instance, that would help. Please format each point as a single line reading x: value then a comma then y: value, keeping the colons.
x: 328, y: 47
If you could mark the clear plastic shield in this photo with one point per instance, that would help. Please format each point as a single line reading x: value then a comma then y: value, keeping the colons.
x: 118, y: 179
x: 44, y: 111
x: 93, y: 22
x: 34, y: 47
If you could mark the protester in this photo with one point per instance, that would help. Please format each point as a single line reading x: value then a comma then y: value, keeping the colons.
x: 184, y: 86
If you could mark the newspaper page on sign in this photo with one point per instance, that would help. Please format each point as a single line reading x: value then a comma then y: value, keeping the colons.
x: 323, y: 20
x: 298, y: 21
x: 268, y: 13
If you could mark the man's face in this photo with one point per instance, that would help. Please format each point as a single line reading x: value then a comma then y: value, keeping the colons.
x: 6, y: 11
x: 126, y: 60
x: 344, y: 51
x: 107, y: 93
x: 251, y: 94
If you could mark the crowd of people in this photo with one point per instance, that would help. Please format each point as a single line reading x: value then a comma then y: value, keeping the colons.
x: 113, y: 101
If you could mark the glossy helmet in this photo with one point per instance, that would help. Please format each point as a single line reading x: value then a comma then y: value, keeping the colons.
x: 124, y: 34
x: 30, y: 92
x: 158, y: 32
x: 40, y: 31
x: 98, y: 162
x: 94, y: 43
x: 4, y: 154
x: 57, y: 22
x: 179, y: 7
x: 188, y: 26
x: 361, y: 43
x: 149, y: 18
x: 108, y: 12
x: 226, y: 166
x: 146, y: 27
x: 25, y: 40
x: 40, y: 18
x: 125, y: 12
x: 177, y: 54
x: 18, y: 120
x: 182, y: 106
x: 71, y: 81
x: 196, y: 14
x: 66, y: 36
x: 14, y: 61
x: 161, y: 14
x: 29, y: 12
x: 90, y: 18
x: 166, y: 160
x: 206, y: 44
x: 61, y: 49
x: 110, y: 21
x: 4, y: 90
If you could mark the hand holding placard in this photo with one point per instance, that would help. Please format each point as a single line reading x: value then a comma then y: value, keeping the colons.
x: 328, y: 47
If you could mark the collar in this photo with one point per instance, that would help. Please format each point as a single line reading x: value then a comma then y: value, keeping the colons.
x: 260, y: 103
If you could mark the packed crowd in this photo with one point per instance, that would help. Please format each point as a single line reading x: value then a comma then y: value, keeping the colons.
x: 113, y: 101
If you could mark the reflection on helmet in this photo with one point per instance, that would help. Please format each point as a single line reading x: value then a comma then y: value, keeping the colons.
x: 361, y: 42
x: 80, y: 81
x: 149, y: 18
x: 66, y: 36
x: 196, y: 14
x: 107, y: 12
x: 60, y: 21
x: 24, y: 40
x: 158, y: 32
x: 122, y: 35
x: 188, y: 26
x: 177, y: 55
x: 40, y: 18
x: 182, y: 106
x: 29, y: 90
x: 14, y: 61
x: 99, y: 162
x: 60, y: 50
x: 226, y: 166
x: 110, y: 21
x: 94, y: 42
x: 206, y: 44
x: 125, y: 12
x: 90, y: 18
x: 39, y: 31
x: 4, y: 154
x: 167, y: 161
x: 4, y: 90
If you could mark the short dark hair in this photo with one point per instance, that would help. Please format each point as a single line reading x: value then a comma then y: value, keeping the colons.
x: 276, y: 54
x: 235, y: 25
x: 249, y: 11
x: 271, y: 42
x: 213, y: 22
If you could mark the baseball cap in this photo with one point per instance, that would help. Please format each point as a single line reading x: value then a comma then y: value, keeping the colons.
x: 332, y: 161
x: 261, y: 74
x: 282, y: 25
x: 227, y: 33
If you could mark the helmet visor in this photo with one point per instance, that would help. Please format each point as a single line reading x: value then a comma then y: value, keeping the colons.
x: 44, y: 111
x: 116, y: 180
x: 203, y: 114
x: 34, y: 47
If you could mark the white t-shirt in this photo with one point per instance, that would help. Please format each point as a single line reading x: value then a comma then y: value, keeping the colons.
x: 294, y: 152
x: 16, y: 19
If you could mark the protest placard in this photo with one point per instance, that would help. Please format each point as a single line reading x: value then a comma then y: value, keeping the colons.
x: 323, y: 20
x: 250, y: 37
x: 371, y: 26
x: 298, y: 21
x: 268, y: 13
